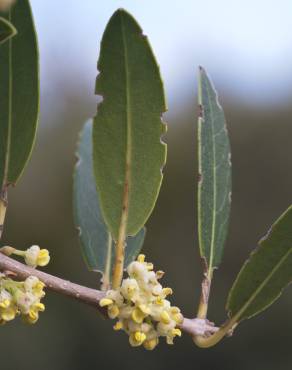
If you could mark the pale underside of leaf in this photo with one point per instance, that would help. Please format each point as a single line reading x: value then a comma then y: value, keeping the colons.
x: 267, y: 272
x: 214, y: 188
x: 97, y: 245
x: 19, y: 94
x: 128, y: 152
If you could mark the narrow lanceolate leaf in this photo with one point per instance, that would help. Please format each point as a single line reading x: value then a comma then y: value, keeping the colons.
x: 19, y: 94
x: 7, y: 30
x: 268, y: 270
x: 97, y: 245
x: 128, y: 152
x: 214, y: 188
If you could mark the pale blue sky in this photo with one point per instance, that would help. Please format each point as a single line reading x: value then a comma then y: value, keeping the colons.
x: 245, y: 45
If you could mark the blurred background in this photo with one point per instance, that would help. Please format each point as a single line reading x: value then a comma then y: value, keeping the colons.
x: 247, y: 49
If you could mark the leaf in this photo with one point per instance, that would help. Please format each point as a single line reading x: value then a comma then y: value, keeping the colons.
x: 7, y: 30
x: 214, y: 188
x: 268, y: 270
x: 97, y: 245
x: 19, y: 94
x: 128, y: 152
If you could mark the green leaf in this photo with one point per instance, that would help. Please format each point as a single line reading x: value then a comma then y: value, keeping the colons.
x: 128, y: 152
x: 19, y: 94
x: 7, y: 30
x: 214, y: 188
x: 98, y: 248
x: 268, y: 270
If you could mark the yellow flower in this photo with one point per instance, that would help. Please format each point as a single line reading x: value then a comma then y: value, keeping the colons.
x: 33, y: 314
x: 43, y: 258
x: 138, y: 315
x: 21, y: 298
x: 113, y: 311
x: 34, y: 256
x: 34, y: 285
x: 165, y: 318
x: 176, y: 332
x: 39, y: 307
x: 8, y: 313
x: 150, y: 344
x: 137, y: 338
x: 141, y: 258
x: 129, y: 288
x: 145, y: 309
x: 118, y: 325
x: 31, y: 318
x: 5, y: 303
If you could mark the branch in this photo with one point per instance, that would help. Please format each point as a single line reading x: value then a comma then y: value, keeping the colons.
x: 79, y: 292
x: 194, y: 327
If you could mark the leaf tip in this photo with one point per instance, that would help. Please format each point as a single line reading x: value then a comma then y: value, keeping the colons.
x: 121, y: 12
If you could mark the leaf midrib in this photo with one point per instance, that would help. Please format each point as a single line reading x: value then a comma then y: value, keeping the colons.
x: 214, y: 200
x: 214, y: 188
x: 127, y: 182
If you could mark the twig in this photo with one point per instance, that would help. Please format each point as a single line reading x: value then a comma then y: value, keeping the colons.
x: 198, y: 327
x: 205, y: 291
x: 194, y: 327
x: 79, y: 292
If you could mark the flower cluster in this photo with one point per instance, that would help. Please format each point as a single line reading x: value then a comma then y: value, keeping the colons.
x: 21, y: 298
x: 141, y: 307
